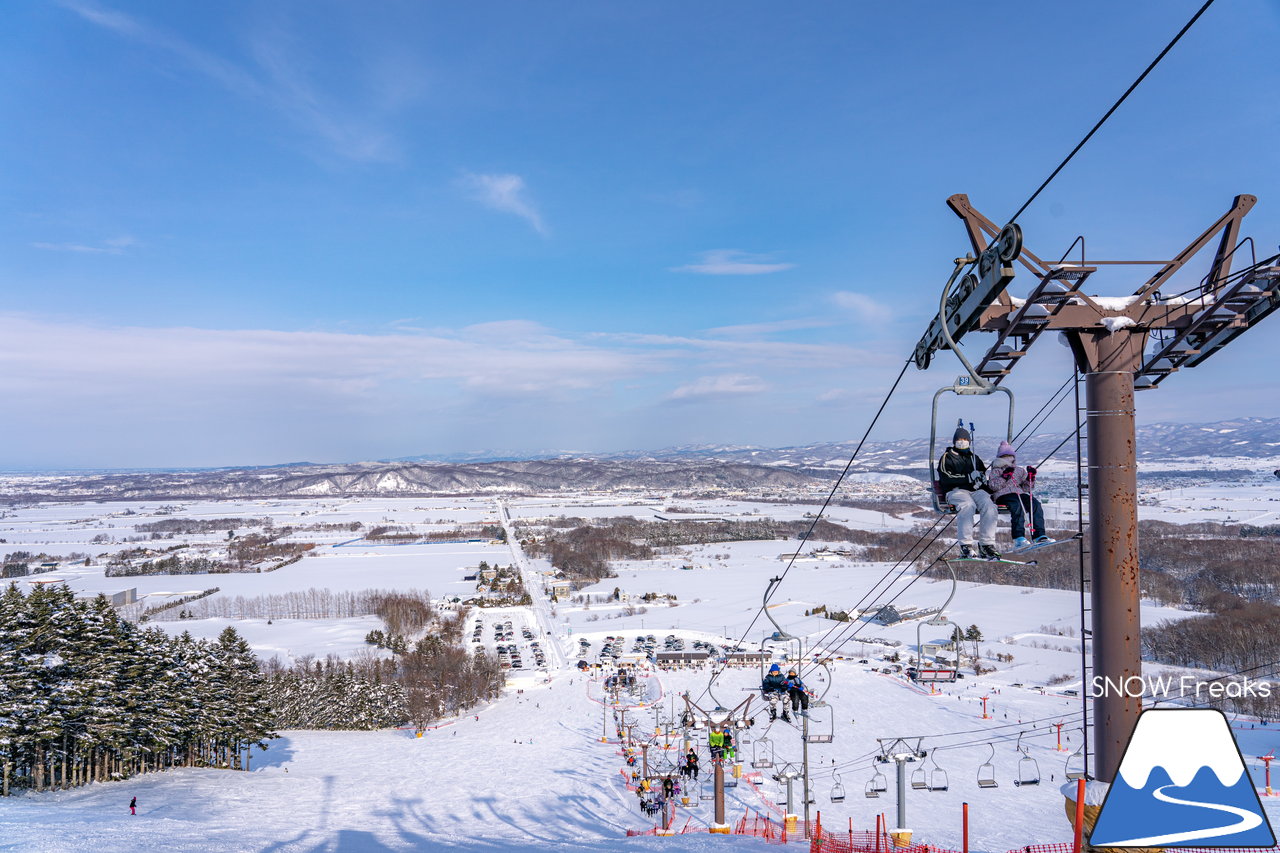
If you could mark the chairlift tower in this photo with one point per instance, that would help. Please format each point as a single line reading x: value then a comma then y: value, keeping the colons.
x: 1119, y: 346
x: 720, y: 717
x: 901, y: 753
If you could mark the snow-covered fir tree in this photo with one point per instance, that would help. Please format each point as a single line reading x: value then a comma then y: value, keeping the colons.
x: 87, y: 696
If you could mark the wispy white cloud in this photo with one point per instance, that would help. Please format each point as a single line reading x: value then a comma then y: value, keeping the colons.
x: 865, y: 308
x: 733, y: 262
x: 507, y: 193
x: 726, y: 385
x: 278, y: 82
x: 835, y: 396
x: 113, y: 246
x: 768, y: 328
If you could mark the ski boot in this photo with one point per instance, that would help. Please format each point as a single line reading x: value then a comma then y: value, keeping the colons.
x: 1021, y: 542
x: 988, y: 552
x: 1042, y: 539
x: 966, y: 552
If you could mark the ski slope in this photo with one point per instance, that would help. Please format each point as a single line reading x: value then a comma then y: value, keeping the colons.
x: 531, y: 772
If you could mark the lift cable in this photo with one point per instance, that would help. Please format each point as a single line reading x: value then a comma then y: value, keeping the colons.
x: 715, y: 672
x: 1114, y: 107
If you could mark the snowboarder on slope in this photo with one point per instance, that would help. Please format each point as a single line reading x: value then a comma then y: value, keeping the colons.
x: 1012, y: 486
x: 960, y: 478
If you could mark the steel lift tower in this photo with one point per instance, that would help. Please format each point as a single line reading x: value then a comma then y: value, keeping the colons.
x: 1120, y: 345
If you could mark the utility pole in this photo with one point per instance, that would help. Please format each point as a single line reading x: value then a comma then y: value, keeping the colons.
x: 1120, y: 346
x: 720, y: 718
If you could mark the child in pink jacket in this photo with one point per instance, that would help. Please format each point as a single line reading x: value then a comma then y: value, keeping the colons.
x: 1012, y: 486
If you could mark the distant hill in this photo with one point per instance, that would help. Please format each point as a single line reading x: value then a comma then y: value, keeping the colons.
x: 1240, y: 443
x: 1249, y: 438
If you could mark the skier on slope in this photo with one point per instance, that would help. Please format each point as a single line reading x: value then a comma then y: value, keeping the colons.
x: 961, y: 480
x: 133, y: 806
x: 798, y: 692
x: 774, y: 689
x: 1012, y: 486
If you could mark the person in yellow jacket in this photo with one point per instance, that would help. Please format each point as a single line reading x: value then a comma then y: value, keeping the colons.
x: 715, y: 740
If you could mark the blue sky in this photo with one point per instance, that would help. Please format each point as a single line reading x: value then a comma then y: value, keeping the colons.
x: 245, y: 233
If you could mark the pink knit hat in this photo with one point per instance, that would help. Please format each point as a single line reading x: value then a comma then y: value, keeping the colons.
x: 1006, y: 449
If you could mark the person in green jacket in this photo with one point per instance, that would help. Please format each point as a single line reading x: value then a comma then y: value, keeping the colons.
x: 715, y: 740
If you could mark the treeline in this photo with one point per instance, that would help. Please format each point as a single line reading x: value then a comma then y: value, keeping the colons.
x: 583, y: 550
x: 298, y: 604
x: 171, y: 565
x: 86, y: 696
x: 182, y: 526
x: 1246, y: 638
x: 255, y: 548
x: 426, y: 678
x: 1200, y: 566
x: 334, y: 694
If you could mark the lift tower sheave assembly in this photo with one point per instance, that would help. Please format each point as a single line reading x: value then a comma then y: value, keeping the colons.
x: 1120, y: 345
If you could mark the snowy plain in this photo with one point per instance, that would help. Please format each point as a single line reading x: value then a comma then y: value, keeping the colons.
x: 529, y: 771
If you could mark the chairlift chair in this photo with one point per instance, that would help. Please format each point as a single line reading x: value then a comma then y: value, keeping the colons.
x: 762, y: 753
x: 1028, y: 768
x: 987, y: 771
x: 938, y: 778
x: 878, y: 784
x: 1075, y: 768
x: 826, y: 729
x: 919, y: 779
x: 837, y: 791
x: 705, y: 791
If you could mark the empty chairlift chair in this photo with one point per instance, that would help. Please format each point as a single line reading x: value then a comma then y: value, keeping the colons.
x: 837, y: 790
x: 877, y: 785
x: 938, y: 778
x: 987, y: 771
x: 1075, y: 763
x: 1028, y: 769
x: 919, y: 779
x: 762, y: 753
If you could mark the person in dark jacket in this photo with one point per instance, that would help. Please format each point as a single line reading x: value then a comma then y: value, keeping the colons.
x: 691, y: 761
x: 798, y: 692
x: 133, y: 806
x: 961, y: 476
x: 774, y: 690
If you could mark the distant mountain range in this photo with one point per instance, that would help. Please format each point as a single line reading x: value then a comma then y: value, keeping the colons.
x: 1239, y: 443
x: 1247, y: 438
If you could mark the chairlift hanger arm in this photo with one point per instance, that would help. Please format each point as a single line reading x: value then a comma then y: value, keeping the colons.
x: 981, y: 230
x: 964, y: 308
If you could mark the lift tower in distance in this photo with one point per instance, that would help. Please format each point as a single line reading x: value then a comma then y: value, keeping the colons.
x: 1120, y: 345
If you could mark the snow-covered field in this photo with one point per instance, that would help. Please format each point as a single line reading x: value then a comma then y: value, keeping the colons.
x: 530, y: 772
